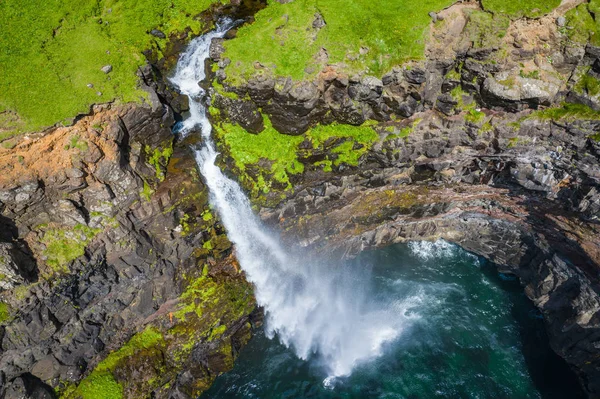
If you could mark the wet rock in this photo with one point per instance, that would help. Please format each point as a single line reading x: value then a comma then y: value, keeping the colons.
x: 244, y: 113
x: 158, y: 33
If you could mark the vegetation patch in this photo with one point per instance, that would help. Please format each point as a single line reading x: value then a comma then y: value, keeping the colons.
x: 4, y: 312
x: 76, y: 142
x: 588, y: 84
x: 486, y: 29
x: 204, y: 303
x: 582, y: 27
x: 53, y: 52
x: 101, y: 383
x: 355, y: 141
x: 247, y: 150
x: 520, y: 8
x: 64, y: 246
x: 159, y: 159
x: 288, y: 38
x: 567, y: 111
x: 270, y: 158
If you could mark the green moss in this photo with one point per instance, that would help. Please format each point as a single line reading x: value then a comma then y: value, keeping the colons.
x: 146, y: 339
x: 355, y: 141
x: 581, y: 26
x: 248, y: 149
x: 146, y: 192
x: 485, y: 29
x: 530, y: 75
x: 221, y: 90
x: 459, y: 95
x: 101, y: 383
x: 76, y: 142
x: 567, y: 111
x: 474, y: 116
x: 217, y: 332
x: 97, y: 386
x: 284, y: 40
x: 520, y: 8
x: 160, y: 159
x: 64, y: 246
x: 404, y: 132
x: 486, y: 127
x: 345, y: 144
x: 4, y: 312
x: 207, y: 216
x: 588, y: 85
x: 51, y: 50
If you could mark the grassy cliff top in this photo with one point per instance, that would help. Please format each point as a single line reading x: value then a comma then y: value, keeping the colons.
x: 363, y: 35
x: 53, y: 49
x: 296, y: 39
x: 520, y: 8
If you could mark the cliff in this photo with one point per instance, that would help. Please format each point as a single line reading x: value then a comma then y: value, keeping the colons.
x: 115, y: 275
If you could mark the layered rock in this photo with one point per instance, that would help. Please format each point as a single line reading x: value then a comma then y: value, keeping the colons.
x: 115, y: 272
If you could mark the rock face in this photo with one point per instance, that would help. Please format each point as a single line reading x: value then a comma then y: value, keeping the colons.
x: 103, y: 246
x: 527, y: 207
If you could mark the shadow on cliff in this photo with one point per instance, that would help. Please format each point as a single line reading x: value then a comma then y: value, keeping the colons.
x: 546, y: 218
x: 20, y: 252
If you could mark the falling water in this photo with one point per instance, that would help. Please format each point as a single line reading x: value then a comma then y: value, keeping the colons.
x: 322, y: 311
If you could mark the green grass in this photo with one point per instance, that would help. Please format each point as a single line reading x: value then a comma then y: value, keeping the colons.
x: 51, y: 50
x: 581, y: 25
x: 520, y: 8
x: 283, y: 39
x: 247, y: 149
x: 567, y: 111
x: 101, y: 383
x: 587, y: 84
x: 486, y: 30
x: 4, y: 312
x: 64, y: 246
x: 281, y: 150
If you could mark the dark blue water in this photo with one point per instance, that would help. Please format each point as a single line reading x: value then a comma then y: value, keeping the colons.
x: 470, y: 333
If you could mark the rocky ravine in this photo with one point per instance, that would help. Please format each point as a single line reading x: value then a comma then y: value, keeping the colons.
x: 108, y: 246
x: 461, y: 155
x: 116, y: 276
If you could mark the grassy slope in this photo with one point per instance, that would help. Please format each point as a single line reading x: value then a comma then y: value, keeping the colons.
x: 283, y: 38
x: 520, y: 8
x: 583, y: 28
x: 388, y: 32
x: 51, y: 50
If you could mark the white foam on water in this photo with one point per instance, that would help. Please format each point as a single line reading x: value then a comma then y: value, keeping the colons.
x: 427, y: 250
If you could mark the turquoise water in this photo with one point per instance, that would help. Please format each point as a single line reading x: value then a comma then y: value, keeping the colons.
x: 470, y: 333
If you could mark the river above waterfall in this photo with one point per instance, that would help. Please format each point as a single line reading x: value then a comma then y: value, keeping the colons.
x: 472, y: 334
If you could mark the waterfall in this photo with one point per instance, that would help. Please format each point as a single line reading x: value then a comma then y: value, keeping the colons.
x: 322, y: 311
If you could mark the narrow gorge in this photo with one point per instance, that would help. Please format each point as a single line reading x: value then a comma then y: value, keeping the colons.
x: 286, y: 207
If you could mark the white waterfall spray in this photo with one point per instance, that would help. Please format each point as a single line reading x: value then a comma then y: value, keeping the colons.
x: 318, y: 310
